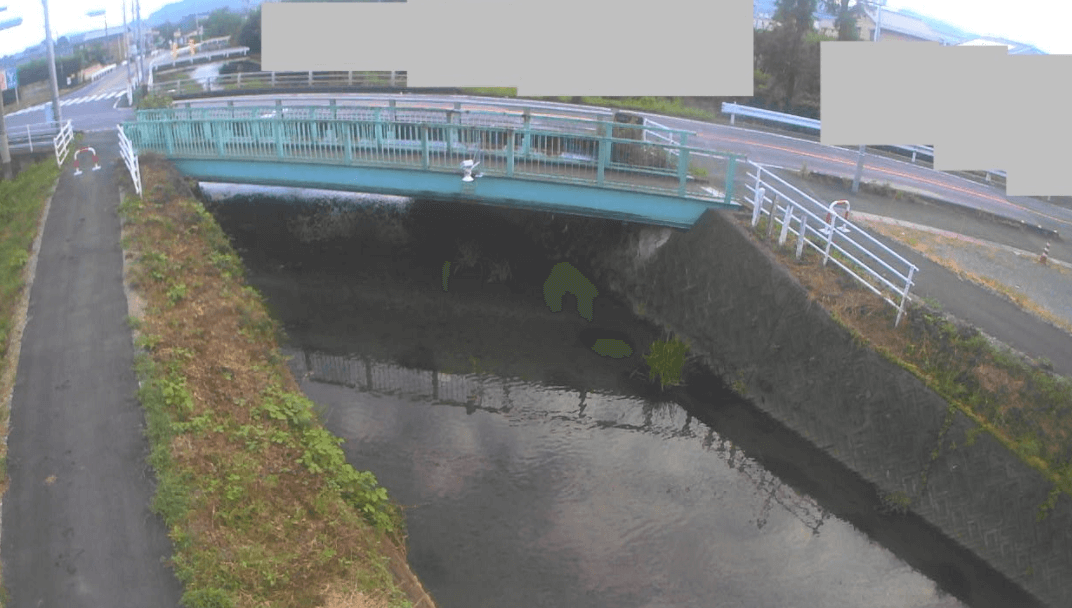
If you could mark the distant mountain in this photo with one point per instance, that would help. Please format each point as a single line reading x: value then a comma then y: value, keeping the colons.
x: 178, y: 10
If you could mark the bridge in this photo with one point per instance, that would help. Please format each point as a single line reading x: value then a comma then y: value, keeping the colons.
x: 585, y: 166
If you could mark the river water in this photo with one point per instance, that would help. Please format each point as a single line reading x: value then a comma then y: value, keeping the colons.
x: 536, y: 472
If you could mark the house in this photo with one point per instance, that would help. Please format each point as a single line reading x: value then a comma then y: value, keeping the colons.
x: 1015, y: 48
x: 894, y: 27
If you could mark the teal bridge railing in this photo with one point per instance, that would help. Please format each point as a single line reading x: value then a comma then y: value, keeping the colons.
x: 542, y: 159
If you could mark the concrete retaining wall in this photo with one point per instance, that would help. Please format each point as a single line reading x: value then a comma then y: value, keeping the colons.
x: 726, y: 294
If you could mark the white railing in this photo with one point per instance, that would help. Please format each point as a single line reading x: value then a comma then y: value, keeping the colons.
x: 101, y: 72
x: 33, y: 137
x: 735, y: 110
x: 819, y: 226
x: 61, y: 142
x: 130, y: 158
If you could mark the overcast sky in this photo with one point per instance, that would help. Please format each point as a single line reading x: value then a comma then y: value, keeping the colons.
x: 1042, y: 23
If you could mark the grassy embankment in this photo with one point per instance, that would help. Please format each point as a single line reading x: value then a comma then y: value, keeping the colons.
x: 1017, y: 400
x: 259, y: 501
x: 22, y: 203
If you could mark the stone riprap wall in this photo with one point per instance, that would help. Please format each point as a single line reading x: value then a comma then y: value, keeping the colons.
x: 716, y: 287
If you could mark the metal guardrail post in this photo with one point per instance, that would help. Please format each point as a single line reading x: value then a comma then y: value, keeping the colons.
x: 771, y: 217
x: 604, y: 152
x: 731, y: 177
x: 425, y: 163
x: 829, y: 241
x: 682, y: 165
x: 757, y: 205
x: 510, y: 153
x: 904, y: 296
x: 378, y: 129
x: 450, y: 132
x: 277, y: 134
x: 801, y: 236
x: 526, y: 136
x: 784, y: 234
x: 349, y: 144
x: 169, y: 137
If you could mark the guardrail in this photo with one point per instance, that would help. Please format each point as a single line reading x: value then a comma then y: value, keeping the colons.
x: 130, y: 158
x: 394, y: 100
x: 61, y: 143
x: 431, y: 139
x: 734, y: 110
x: 271, y: 80
x: 199, y: 57
x: 818, y: 226
x: 108, y: 69
x: 33, y: 137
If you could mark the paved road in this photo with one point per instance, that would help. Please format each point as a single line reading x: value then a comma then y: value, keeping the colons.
x: 77, y: 530
x: 993, y: 314
x: 97, y: 106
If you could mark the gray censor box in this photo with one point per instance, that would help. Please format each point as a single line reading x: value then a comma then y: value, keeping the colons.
x: 981, y: 108
x: 554, y: 47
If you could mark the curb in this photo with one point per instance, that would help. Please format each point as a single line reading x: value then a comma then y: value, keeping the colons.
x: 987, y: 215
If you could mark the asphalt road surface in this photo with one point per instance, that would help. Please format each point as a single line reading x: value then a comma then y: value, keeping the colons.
x: 77, y: 530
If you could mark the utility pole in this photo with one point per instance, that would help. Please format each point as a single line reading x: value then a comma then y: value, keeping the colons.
x: 5, y: 151
x: 878, y: 18
x: 126, y: 46
x: 141, y: 40
x: 860, y: 158
x: 52, y: 67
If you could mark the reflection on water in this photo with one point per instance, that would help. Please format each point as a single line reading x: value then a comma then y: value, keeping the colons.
x: 527, y: 494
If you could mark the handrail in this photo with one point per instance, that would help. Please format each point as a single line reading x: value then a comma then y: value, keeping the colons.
x: 506, y: 117
x: 734, y: 110
x: 882, y: 270
x: 61, y: 142
x: 130, y: 158
x: 432, y: 139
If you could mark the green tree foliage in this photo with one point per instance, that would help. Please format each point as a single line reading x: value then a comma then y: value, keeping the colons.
x: 787, y: 61
x: 222, y: 22
x: 37, y: 70
x: 845, y: 17
x: 250, y: 33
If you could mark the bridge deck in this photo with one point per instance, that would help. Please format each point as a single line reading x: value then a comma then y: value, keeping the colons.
x: 495, y: 166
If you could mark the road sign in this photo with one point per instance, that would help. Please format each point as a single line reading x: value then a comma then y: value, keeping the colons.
x: 9, y: 79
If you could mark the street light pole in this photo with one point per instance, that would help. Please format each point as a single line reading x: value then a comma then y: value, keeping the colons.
x: 52, y: 67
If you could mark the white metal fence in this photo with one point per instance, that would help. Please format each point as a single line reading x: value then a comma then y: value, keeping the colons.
x: 62, y: 141
x: 735, y: 110
x: 839, y: 241
x: 33, y: 137
x: 130, y: 158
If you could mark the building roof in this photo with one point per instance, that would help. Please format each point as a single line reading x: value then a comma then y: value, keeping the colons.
x: 1015, y: 48
x: 903, y: 24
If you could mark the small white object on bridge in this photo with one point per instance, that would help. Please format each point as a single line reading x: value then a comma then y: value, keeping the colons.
x: 468, y: 166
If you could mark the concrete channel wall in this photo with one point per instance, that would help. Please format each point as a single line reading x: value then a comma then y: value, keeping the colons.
x: 732, y: 300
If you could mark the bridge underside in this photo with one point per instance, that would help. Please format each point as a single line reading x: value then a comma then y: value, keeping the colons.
x: 625, y: 205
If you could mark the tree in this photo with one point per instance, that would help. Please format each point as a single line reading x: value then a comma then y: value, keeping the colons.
x: 222, y: 22
x: 794, y: 19
x: 250, y: 34
x: 845, y: 17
